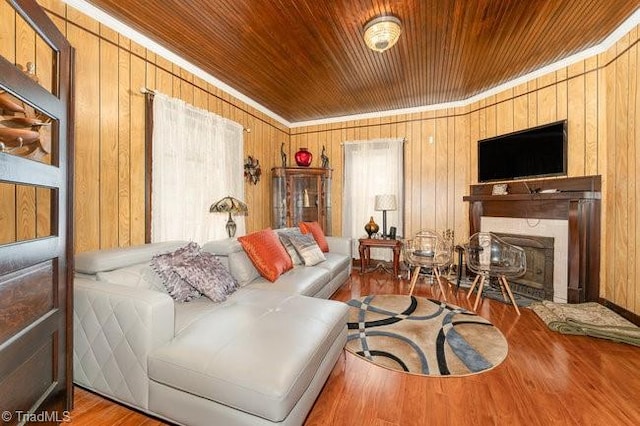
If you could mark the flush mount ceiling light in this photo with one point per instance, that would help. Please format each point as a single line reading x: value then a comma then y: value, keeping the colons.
x: 382, y: 33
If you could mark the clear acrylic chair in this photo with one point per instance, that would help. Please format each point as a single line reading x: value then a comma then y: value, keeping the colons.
x: 429, y: 250
x: 488, y: 256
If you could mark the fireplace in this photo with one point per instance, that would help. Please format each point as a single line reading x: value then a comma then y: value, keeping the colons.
x: 547, y: 232
x: 537, y: 281
x: 575, y: 203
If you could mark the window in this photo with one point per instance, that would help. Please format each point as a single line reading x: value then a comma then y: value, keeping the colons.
x: 372, y: 168
x: 197, y: 160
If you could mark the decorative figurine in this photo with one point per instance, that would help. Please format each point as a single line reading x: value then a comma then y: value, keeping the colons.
x: 283, y: 155
x: 324, y: 158
x: 24, y: 130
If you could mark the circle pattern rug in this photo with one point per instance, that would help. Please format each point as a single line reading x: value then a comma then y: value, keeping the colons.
x: 423, y: 336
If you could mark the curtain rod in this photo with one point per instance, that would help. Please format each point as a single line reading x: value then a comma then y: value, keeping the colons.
x: 152, y: 92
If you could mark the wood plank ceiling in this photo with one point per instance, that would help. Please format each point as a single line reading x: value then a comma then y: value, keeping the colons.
x: 306, y: 60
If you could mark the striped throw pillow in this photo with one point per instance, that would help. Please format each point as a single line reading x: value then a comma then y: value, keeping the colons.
x: 307, y: 249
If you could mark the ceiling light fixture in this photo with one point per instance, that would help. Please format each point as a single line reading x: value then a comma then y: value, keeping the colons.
x: 382, y: 33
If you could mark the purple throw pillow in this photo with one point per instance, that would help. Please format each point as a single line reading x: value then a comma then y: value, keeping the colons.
x: 209, y: 276
x: 165, y: 266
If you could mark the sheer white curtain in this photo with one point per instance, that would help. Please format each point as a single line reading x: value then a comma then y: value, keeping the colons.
x: 372, y: 167
x: 197, y: 160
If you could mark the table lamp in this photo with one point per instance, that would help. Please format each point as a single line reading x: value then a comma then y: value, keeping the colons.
x: 384, y: 203
x: 229, y: 205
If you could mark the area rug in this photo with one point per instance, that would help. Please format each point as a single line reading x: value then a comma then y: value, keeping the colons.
x: 587, y: 319
x: 423, y: 336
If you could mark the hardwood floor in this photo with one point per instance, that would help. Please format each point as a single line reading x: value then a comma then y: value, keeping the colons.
x: 547, y: 379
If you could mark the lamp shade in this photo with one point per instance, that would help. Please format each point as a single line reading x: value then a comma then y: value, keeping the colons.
x: 229, y: 204
x: 386, y: 202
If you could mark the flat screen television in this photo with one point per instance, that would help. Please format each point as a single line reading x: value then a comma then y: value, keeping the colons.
x: 535, y: 152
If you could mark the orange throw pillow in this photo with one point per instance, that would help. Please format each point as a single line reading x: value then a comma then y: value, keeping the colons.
x: 317, y: 232
x: 267, y: 253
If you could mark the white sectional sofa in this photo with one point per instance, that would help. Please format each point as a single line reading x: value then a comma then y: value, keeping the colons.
x: 259, y: 358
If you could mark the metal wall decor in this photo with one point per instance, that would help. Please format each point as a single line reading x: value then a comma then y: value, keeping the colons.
x: 252, y: 170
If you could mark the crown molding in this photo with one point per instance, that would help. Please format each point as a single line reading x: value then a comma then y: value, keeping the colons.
x: 607, y: 43
x: 111, y: 22
x: 158, y: 49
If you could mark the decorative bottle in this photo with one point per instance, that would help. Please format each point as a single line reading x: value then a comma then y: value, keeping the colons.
x: 303, y: 157
x: 371, y: 227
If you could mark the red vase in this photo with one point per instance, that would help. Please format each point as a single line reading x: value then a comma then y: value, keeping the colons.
x: 303, y: 157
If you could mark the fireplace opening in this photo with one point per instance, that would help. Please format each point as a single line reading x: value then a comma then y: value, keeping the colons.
x: 537, y: 281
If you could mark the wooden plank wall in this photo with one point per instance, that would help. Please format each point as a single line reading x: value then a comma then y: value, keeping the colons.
x: 109, y: 158
x: 436, y: 173
x: 620, y: 80
x: 599, y: 96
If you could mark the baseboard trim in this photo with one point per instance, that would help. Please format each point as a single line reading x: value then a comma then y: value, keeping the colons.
x: 628, y: 315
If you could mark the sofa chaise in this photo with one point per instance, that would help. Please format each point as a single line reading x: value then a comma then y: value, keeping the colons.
x: 259, y: 358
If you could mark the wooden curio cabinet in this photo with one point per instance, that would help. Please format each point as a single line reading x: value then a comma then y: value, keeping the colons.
x: 301, y: 194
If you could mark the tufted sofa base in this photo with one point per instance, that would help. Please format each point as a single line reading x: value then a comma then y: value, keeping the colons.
x: 261, y: 357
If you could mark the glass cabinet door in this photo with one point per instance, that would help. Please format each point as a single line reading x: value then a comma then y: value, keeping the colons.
x: 304, y: 199
x: 326, y: 208
x: 278, y: 202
